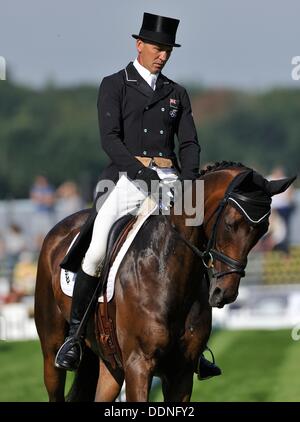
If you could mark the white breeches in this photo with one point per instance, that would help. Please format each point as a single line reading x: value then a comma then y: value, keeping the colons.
x: 125, y: 198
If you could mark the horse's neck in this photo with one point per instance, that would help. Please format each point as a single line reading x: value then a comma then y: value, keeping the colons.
x: 184, y: 215
x: 201, y: 202
x: 215, y: 186
x: 217, y: 182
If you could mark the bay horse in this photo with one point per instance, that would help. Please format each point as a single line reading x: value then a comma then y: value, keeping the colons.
x: 166, y: 286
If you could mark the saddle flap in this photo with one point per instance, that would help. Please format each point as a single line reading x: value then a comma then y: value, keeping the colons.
x: 121, y: 225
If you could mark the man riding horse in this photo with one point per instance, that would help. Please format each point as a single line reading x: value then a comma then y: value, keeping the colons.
x: 140, y: 110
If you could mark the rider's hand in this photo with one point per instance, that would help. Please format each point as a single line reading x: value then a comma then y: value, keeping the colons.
x: 167, y: 192
x: 150, y: 177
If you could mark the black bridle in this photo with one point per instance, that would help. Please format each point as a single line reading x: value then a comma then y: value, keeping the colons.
x: 211, y: 254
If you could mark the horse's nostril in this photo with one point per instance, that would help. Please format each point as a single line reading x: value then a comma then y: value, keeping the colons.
x: 216, y: 297
x: 217, y: 292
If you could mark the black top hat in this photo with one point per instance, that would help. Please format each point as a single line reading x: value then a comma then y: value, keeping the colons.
x: 158, y: 29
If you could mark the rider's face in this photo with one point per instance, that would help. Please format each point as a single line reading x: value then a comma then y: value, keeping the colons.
x: 153, y: 56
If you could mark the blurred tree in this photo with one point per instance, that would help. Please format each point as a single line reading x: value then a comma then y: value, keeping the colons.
x: 261, y: 131
x: 54, y: 131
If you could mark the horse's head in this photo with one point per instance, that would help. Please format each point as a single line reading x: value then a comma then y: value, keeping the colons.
x: 237, y: 209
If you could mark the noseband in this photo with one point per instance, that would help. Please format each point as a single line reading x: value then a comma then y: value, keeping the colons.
x: 211, y: 254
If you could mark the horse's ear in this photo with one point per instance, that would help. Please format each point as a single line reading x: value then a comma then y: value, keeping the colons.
x: 243, y: 177
x: 277, y: 186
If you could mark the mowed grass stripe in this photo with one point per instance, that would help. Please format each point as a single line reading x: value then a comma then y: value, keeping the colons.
x: 220, y: 342
x: 257, y: 366
x: 21, y: 374
x: 287, y: 387
x: 250, y: 364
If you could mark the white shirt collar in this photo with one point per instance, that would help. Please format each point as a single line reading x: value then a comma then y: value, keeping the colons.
x: 149, y: 77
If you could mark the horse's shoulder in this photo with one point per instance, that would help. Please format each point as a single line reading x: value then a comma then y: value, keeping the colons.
x: 151, y: 232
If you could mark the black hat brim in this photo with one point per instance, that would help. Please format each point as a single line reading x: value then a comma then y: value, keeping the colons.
x: 153, y: 41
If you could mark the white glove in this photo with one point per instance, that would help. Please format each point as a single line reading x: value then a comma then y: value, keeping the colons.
x: 166, y: 193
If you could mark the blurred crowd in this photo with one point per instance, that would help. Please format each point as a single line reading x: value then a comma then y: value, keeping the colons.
x: 52, y: 205
x: 18, y: 253
x: 283, y: 207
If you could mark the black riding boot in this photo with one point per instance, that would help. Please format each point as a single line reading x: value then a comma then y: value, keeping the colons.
x: 207, y: 369
x: 69, y: 355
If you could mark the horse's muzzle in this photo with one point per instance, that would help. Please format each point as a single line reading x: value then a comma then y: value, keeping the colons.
x: 220, y: 297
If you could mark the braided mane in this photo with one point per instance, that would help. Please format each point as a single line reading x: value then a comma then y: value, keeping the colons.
x: 220, y: 166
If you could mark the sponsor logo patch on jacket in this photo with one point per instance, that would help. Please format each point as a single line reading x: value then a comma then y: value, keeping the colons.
x: 174, y: 104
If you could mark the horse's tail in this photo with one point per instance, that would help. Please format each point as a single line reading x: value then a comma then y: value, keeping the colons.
x: 84, y: 385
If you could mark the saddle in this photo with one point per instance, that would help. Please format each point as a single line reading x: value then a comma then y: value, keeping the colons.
x: 118, y: 235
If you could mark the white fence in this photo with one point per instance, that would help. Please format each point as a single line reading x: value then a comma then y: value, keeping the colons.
x: 261, y: 307
x: 15, y: 323
x: 257, y: 307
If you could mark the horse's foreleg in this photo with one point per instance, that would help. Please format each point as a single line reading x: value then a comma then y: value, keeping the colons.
x: 138, y: 378
x: 54, y: 380
x: 177, y: 387
x: 108, y: 388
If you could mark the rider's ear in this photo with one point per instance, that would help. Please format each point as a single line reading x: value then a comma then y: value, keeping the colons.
x: 277, y: 186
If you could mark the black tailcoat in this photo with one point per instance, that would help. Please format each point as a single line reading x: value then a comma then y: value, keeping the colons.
x: 134, y: 121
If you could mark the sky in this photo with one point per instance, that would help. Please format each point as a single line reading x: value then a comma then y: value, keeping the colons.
x: 225, y: 43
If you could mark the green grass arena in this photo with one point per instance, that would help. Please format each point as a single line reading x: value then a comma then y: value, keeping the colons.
x: 258, y: 366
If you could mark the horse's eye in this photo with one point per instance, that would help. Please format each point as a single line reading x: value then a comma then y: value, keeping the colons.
x: 228, y: 226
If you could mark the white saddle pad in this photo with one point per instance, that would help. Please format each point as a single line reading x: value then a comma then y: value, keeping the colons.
x: 67, y: 278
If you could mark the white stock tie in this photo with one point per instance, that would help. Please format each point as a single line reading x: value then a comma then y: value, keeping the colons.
x: 153, y: 81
